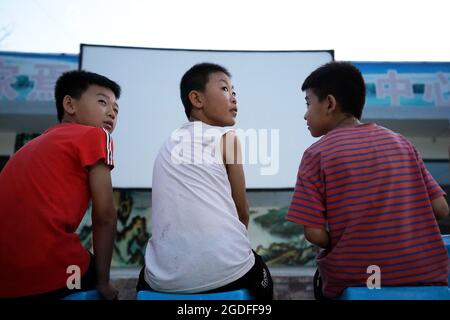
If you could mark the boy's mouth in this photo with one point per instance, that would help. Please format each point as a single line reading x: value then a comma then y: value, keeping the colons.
x: 108, y: 125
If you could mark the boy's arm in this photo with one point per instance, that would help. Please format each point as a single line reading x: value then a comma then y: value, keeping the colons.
x: 317, y: 236
x: 104, y: 222
x: 440, y: 207
x: 232, y: 158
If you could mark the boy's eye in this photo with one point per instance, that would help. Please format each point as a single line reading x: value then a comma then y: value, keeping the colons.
x: 225, y: 88
x: 103, y: 102
x: 233, y: 94
x: 116, y: 111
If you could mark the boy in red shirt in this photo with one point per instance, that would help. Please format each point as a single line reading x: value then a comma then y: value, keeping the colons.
x: 363, y: 193
x: 45, y: 189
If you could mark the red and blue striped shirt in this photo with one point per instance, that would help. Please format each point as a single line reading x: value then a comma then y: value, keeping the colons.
x: 370, y: 189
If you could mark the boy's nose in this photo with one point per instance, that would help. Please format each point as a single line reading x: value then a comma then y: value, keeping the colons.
x: 111, y: 113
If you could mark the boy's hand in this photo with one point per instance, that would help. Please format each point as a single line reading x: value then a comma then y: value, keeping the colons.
x: 108, y: 292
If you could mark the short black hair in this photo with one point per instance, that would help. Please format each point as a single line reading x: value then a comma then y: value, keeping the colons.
x: 196, y: 78
x: 342, y: 80
x: 74, y: 83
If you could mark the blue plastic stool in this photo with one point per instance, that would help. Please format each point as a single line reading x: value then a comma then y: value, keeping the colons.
x: 446, y: 239
x: 241, y: 294
x: 397, y: 293
x: 84, y: 295
x: 401, y: 293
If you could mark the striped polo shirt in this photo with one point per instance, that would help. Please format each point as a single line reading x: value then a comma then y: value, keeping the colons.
x: 370, y: 189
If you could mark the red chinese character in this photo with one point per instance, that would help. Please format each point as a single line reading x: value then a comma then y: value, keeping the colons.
x: 394, y: 88
x: 436, y: 90
x: 44, y: 81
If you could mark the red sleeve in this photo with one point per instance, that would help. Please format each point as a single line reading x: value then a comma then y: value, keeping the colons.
x: 307, y: 205
x: 96, y: 144
x: 433, y: 188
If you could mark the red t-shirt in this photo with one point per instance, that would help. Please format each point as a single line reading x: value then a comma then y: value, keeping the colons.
x: 44, y: 194
x: 370, y: 188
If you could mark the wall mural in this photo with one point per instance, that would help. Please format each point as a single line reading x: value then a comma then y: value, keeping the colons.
x: 279, y: 242
x: 132, y: 228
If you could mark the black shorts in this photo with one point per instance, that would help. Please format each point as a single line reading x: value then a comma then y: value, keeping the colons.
x: 317, y: 285
x: 258, y: 281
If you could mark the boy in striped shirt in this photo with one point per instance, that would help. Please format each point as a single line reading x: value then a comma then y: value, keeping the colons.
x: 363, y: 193
x: 45, y: 189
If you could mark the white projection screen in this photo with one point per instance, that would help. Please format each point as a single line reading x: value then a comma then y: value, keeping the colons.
x: 269, y: 122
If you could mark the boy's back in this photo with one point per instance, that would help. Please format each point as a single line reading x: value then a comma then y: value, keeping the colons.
x: 199, y: 207
x: 44, y: 194
x: 198, y: 242
x: 376, y: 193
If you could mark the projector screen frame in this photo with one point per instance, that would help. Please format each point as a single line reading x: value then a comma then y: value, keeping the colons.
x: 286, y: 186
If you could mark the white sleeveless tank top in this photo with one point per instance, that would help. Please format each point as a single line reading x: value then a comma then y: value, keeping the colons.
x: 198, y: 242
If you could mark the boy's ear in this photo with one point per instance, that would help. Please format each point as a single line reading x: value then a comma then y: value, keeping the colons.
x: 68, y: 105
x: 332, y: 104
x: 196, y: 99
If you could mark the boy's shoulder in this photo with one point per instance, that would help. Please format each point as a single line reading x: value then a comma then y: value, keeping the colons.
x: 73, y: 127
x: 195, y: 130
x: 70, y: 134
x: 75, y: 130
x: 394, y: 135
x: 344, y: 136
x: 363, y: 133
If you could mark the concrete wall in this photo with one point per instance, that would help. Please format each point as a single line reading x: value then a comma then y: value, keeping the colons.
x: 7, y: 140
x: 432, y: 148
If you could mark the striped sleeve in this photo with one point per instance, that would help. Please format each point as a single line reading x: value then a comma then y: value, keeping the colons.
x: 96, y: 144
x: 433, y: 188
x: 307, y: 206
x: 109, y: 160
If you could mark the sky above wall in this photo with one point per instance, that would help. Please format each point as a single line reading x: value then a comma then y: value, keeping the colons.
x: 379, y: 30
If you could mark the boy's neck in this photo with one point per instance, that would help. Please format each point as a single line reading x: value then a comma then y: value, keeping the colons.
x: 347, y: 121
x: 68, y: 119
x: 194, y: 118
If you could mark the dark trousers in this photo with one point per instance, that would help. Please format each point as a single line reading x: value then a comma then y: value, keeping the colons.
x: 317, y: 284
x: 257, y: 281
x: 88, y: 282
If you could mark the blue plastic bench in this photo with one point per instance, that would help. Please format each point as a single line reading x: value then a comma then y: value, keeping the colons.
x: 84, y: 295
x: 397, y: 293
x: 401, y: 293
x: 446, y: 239
x: 241, y: 294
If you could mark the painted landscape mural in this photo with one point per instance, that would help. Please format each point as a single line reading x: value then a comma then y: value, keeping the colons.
x: 279, y: 242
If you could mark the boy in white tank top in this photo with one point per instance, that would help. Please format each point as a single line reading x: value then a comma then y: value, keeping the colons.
x: 200, y: 213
